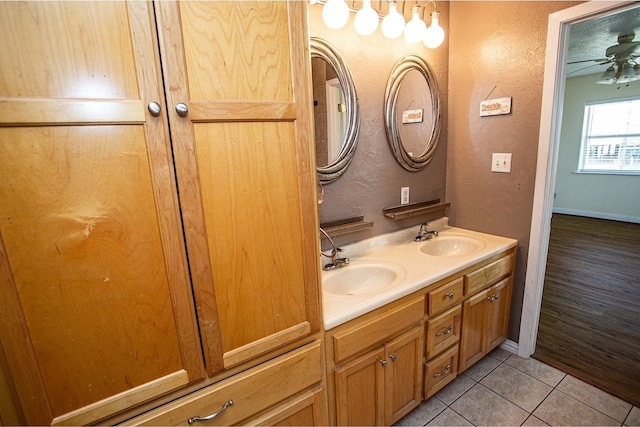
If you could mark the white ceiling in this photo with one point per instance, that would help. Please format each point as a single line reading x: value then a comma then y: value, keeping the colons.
x: 590, y: 39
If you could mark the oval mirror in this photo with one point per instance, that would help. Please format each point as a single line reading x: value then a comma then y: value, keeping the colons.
x: 412, y: 113
x: 336, y: 117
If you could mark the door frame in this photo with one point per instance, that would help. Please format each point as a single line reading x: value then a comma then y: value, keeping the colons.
x: 548, y: 144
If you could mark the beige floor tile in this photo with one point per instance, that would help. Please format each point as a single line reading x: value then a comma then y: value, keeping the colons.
x: 560, y: 409
x: 534, y: 422
x: 517, y: 387
x: 455, y: 389
x: 594, y: 397
x: 633, y: 419
x: 483, y: 407
x: 482, y: 368
x: 500, y: 354
x: 449, y: 418
x: 424, y: 413
x: 536, y: 369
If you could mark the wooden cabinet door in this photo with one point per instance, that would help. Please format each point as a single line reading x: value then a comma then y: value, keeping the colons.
x: 245, y: 176
x: 97, y: 312
x: 498, y: 308
x: 403, y: 391
x: 472, y: 342
x: 360, y: 388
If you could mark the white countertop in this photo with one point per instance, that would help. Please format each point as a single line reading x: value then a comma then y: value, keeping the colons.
x: 421, y: 270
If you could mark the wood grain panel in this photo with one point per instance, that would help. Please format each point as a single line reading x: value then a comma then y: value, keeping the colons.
x: 246, y: 171
x: 243, y: 47
x: 79, y: 226
x: 100, y: 30
x: 589, y: 323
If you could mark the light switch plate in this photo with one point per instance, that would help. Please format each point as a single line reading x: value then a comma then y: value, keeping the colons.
x: 501, y: 162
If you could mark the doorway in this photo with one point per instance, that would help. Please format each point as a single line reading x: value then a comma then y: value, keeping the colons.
x: 552, y: 107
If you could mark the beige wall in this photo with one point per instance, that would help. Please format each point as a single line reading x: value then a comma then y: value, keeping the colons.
x: 374, y: 178
x: 497, y: 49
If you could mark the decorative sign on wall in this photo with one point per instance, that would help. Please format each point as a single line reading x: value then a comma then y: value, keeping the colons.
x: 495, y: 107
x: 412, y: 116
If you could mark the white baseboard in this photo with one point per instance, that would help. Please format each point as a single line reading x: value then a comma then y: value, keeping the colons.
x: 601, y: 215
x: 510, y: 346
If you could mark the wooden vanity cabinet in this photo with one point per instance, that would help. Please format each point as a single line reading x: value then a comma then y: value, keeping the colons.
x: 377, y: 365
x: 101, y: 313
x: 485, y: 315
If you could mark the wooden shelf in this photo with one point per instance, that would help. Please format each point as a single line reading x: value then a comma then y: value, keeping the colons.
x: 346, y: 226
x: 415, y: 209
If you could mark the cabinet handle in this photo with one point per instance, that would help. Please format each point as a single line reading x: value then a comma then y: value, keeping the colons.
x: 383, y: 362
x: 492, y: 298
x: 447, y: 332
x: 212, y: 416
x: 451, y: 295
x: 445, y: 372
x: 182, y: 109
x: 393, y: 357
x: 154, y: 108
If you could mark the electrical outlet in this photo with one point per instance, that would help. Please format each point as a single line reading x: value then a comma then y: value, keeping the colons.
x: 404, y: 195
x: 501, y: 162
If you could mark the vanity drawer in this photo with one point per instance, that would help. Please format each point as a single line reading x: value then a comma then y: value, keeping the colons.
x: 440, y: 371
x: 443, y: 331
x: 378, y: 329
x: 488, y: 275
x: 251, y: 391
x: 445, y: 296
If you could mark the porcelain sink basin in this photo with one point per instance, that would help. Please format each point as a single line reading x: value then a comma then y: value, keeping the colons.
x: 451, y: 246
x: 363, y: 277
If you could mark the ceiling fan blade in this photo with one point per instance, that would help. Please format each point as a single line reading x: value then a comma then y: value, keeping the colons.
x: 600, y: 60
x: 582, y: 69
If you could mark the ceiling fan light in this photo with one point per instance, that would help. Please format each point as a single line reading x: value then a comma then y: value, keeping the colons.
x: 608, y: 77
x: 627, y: 74
x: 636, y: 70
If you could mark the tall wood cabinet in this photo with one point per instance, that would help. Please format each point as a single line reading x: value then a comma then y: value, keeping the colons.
x: 120, y: 283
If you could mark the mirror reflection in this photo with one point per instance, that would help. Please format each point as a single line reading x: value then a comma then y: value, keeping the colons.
x: 335, y: 111
x: 412, y: 113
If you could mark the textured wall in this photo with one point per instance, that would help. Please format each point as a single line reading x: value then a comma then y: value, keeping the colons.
x: 374, y: 178
x: 497, y: 49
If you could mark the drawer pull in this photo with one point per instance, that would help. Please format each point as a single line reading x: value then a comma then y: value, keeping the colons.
x: 451, y: 295
x: 212, y: 416
x: 445, y: 372
x: 447, y: 332
x: 492, y: 298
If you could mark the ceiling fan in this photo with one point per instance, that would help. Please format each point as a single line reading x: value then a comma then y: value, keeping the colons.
x: 623, y: 57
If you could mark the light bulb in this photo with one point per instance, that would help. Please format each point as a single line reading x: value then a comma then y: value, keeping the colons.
x: 335, y: 14
x: 627, y: 74
x: 608, y: 77
x: 434, y: 36
x: 416, y: 28
x: 393, y: 24
x: 366, y: 20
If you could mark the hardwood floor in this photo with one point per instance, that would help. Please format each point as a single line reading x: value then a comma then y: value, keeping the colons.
x: 590, y: 315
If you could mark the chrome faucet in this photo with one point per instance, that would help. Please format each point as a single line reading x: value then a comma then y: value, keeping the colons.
x: 336, y: 261
x: 425, y: 234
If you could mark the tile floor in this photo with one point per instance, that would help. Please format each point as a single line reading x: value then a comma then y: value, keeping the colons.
x: 505, y: 390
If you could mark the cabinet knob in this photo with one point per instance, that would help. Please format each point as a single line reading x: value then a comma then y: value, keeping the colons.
x: 451, y: 295
x: 154, y: 108
x: 492, y: 298
x: 182, y: 109
x: 383, y: 362
x: 212, y: 416
x: 393, y: 357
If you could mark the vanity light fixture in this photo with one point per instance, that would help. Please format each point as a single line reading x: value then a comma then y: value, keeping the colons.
x: 335, y: 14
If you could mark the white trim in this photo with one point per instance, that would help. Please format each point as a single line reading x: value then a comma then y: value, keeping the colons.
x: 551, y: 116
x: 600, y: 215
x: 510, y: 346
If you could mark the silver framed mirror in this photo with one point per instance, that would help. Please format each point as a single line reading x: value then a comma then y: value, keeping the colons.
x: 336, y: 115
x: 412, y: 98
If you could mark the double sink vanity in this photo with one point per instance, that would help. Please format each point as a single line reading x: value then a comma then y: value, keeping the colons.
x: 403, y: 318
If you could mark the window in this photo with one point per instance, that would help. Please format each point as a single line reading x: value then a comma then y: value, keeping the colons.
x: 611, y: 137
